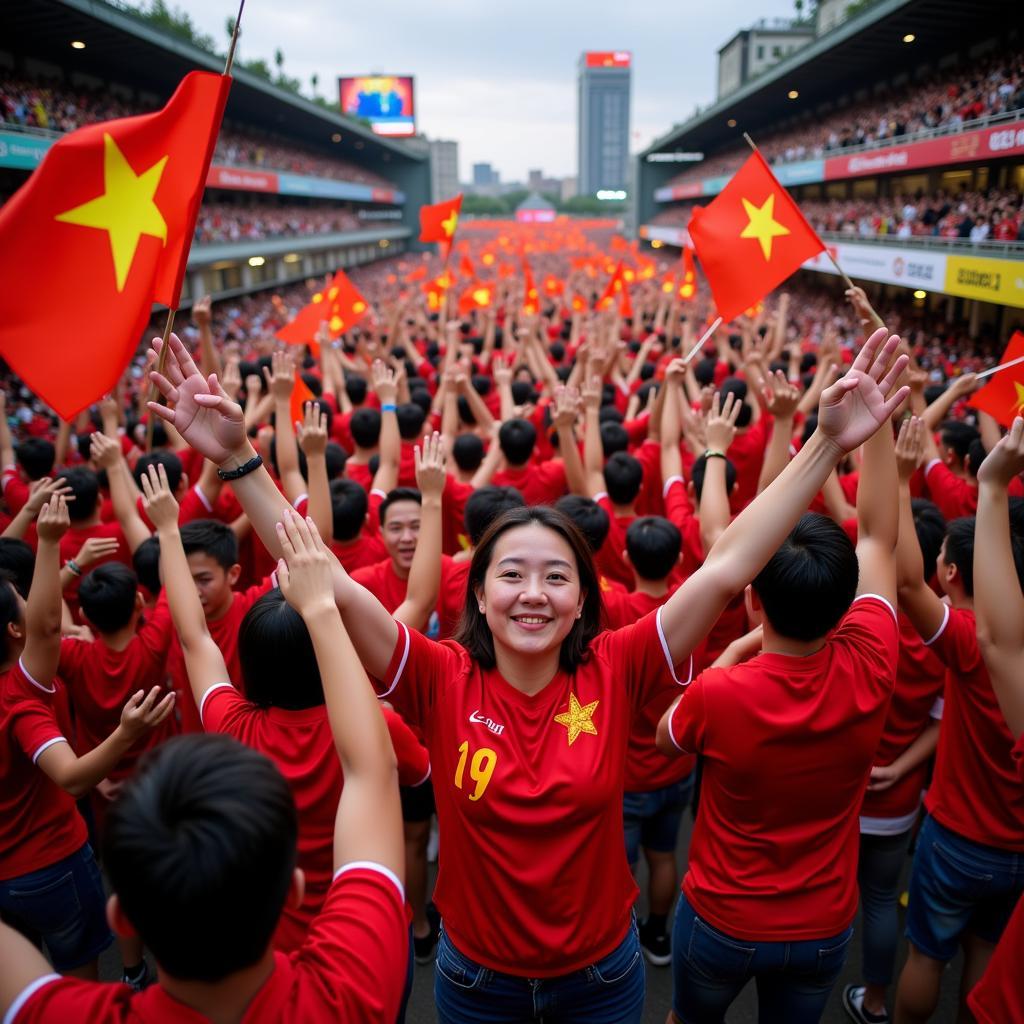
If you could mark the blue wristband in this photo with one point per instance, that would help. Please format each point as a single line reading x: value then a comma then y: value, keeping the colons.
x: 389, y: 407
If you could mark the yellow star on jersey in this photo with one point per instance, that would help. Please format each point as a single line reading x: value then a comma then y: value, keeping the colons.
x: 578, y: 718
x: 448, y: 224
x: 126, y: 209
x: 762, y: 224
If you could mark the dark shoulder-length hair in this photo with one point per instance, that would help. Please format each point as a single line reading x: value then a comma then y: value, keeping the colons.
x: 475, y: 635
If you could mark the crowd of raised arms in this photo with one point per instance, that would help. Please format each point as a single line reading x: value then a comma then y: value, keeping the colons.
x: 524, y: 571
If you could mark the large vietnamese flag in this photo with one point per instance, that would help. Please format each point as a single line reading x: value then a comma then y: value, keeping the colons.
x: 1003, y: 397
x: 439, y: 221
x: 106, y: 223
x: 750, y: 238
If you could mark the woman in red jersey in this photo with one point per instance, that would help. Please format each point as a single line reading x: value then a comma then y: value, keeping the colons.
x: 527, y: 714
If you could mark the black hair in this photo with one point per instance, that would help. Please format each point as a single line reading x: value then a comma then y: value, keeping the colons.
x: 85, y: 487
x: 303, y: 463
x: 623, y: 476
x: 9, y: 610
x: 355, y: 388
x: 704, y: 370
x: 421, y: 396
x: 517, y: 438
x: 324, y: 409
x: 930, y: 526
x: 653, y: 545
x: 170, y: 462
x: 614, y: 438
x: 335, y: 458
x: 958, y: 436
x: 465, y: 411
x: 468, y: 452
x: 809, y: 584
x: 959, y: 550
x: 200, y: 848
x: 557, y: 350
x: 146, y: 563
x: 736, y: 386
x: 18, y: 561
x: 279, y: 666
x: 609, y: 414
x: 590, y: 518
x: 213, y: 538
x: 107, y: 596
x: 36, y: 455
x: 349, y: 506
x: 481, y: 384
x: 484, y: 505
x: 699, y: 468
x: 364, y: 426
x: 473, y: 632
x: 975, y: 457
x: 410, y: 420
x: 395, y: 495
x: 523, y: 392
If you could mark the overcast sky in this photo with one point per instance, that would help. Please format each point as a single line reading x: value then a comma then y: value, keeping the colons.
x: 500, y: 78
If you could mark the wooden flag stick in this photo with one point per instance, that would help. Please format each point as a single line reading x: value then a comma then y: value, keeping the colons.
x: 234, y: 39
x: 839, y: 270
x: 703, y: 338
x: 1001, y: 366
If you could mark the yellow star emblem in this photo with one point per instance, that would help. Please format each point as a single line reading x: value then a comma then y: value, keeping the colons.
x: 1018, y: 409
x: 125, y: 210
x: 761, y: 224
x: 448, y: 224
x: 578, y: 718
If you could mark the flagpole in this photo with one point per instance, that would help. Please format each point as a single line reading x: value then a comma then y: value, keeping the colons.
x: 1001, y: 366
x: 169, y: 324
x: 839, y: 270
x: 700, y: 344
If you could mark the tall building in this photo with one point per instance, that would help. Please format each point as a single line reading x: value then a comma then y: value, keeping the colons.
x: 484, y: 174
x: 753, y: 50
x: 444, y: 169
x: 602, y: 127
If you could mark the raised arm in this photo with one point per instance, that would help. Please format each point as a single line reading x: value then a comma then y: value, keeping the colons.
x: 369, y: 821
x: 280, y: 378
x: 714, y: 495
x: 565, y: 406
x: 593, y: 447
x: 106, y: 453
x: 780, y: 400
x: 998, y: 602
x: 312, y: 436
x: 389, y: 448
x: 878, y: 516
x: 202, y: 315
x: 939, y: 409
x: 6, y: 444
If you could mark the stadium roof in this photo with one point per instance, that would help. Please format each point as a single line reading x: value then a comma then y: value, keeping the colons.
x: 123, y: 47
x: 844, y: 60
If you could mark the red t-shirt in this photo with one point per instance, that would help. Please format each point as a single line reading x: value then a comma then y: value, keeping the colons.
x: 680, y: 512
x: 71, y: 543
x: 453, y: 510
x: 788, y: 745
x: 954, y: 496
x: 999, y: 997
x: 609, y: 559
x: 974, y: 791
x: 540, y: 483
x: 351, y: 968
x: 390, y: 589
x: 100, y: 680
x: 529, y: 795
x: 39, y: 823
x: 16, y: 491
x: 301, y: 745
x: 225, y: 635
x: 916, y: 700
x: 360, y: 472
x: 746, y: 453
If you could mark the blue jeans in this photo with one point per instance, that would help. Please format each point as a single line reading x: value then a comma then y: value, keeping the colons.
x: 652, y: 819
x: 63, y: 905
x: 878, y: 875
x: 957, y: 886
x: 610, y: 991
x: 709, y: 968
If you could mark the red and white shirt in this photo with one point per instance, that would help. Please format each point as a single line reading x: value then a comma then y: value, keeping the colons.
x: 787, y: 747
x: 350, y: 968
x: 533, y: 878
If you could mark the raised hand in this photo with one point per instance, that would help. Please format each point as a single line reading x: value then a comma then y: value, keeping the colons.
x: 41, y: 491
x: 431, y: 475
x: 157, y: 499
x: 104, y: 451
x: 1006, y: 459
x: 853, y: 408
x: 964, y: 385
x: 592, y: 392
x: 305, y: 573
x: 383, y: 381
x: 143, y: 711
x: 780, y: 397
x: 94, y: 549
x: 720, y: 425
x: 232, y: 378
x: 280, y: 376
x: 311, y: 433
x: 201, y: 311
x: 565, y: 405
x: 202, y: 413
x: 909, y: 447
x: 53, y: 521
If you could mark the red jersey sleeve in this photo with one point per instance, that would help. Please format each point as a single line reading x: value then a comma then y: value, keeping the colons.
x: 51, y: 997
x: 16, y: 491
x: 413, y: 759
x: 955, y: 497
x: 224, y: 709
x: 956, y: 642
x: 35, y: 728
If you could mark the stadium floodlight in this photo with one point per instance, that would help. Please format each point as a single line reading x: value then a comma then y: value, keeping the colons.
x: 257, y: 261
x: 792, y: 94
x: 77, y: 44
x: 616, y: 194
x: 731, y: 123
x: 909, y: 37
x: 656, y: 243
x: 920, y: 294
x: 291, y: 257
x: 336, y: 137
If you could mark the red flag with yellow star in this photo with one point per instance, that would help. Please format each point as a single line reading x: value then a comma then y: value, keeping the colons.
x: 615, y: 285
x: 340, y: 305
x: 1003, y: 397
x: 750, y: 238
x: 110, y: 214
x: 687, y: 287
x: 438, y: 222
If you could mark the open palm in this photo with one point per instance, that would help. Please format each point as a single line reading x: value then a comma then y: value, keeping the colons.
x: 202, y: 413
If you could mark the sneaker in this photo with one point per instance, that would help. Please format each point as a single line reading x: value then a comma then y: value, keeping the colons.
x: 656, y: 947
x: 853, y: 1004
x: 138, y: 980
x: 424, y: 947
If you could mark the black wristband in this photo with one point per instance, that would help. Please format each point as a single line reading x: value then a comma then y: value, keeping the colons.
x: 244, y: 470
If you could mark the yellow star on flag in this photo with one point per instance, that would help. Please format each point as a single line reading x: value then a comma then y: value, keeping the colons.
x: 126, y: 209
x: 578, y: 718
x: 762, y: 224
x: 448, y: 224
x: 1018, y: 409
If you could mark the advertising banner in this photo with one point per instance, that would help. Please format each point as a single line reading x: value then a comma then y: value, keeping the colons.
x: 991, y: 280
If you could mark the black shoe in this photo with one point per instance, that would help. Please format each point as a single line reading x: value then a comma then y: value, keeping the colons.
x: 424, y: 947
x: 853, y: 1004
x: 656, y: 946
x: 139, y: 979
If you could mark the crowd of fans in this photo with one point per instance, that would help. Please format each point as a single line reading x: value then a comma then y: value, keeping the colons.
x: 59, y: 107
x: 992, y: 85
x: 238, y: 222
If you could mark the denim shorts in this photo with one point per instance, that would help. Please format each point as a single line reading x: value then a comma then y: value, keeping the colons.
x: 609, y: 991
x: 652, y: 819
x: 958, y: 886
x: 710, y: 968
x: 63, y: 905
